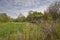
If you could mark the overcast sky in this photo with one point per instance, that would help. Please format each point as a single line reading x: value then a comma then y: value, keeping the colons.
x: 14, y: 7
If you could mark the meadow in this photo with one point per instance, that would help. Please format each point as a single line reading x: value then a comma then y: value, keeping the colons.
x: 21, y: 31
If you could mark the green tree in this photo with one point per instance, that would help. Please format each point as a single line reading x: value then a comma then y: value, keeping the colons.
x: 47, y: 17
x: 4, y: 17
x: 35, y: 17
x: 21, y: 18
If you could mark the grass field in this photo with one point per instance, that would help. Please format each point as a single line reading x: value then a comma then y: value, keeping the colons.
x: 20, y: 31
x: 15, y: 31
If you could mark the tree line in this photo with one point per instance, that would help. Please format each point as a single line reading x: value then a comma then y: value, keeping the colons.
x: 52, y: 13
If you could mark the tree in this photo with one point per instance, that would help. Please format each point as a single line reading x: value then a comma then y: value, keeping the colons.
x: 47, y: 17
x: 21, y: 18
x: 49, y: 28
x: 54, y: 10
x: 4, y: 17
x: 34, y: 17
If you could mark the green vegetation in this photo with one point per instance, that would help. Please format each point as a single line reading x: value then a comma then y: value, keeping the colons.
x: 15, y: 31
x: 25, y: 31
x: 36, y: 26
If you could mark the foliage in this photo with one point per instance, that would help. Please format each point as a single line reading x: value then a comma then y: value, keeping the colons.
x: 27, y: 31
x: 35, y: 17
x: 21, y: 18
x: 54, y: 10
x: 4, y: 17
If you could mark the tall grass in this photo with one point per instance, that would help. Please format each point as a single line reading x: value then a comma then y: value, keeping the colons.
x: 25, y: 31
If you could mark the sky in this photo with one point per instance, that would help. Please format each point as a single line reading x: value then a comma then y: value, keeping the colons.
x: 14, y: 7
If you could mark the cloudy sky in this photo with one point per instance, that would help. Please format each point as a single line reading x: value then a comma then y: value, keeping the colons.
x: 14, y: 7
